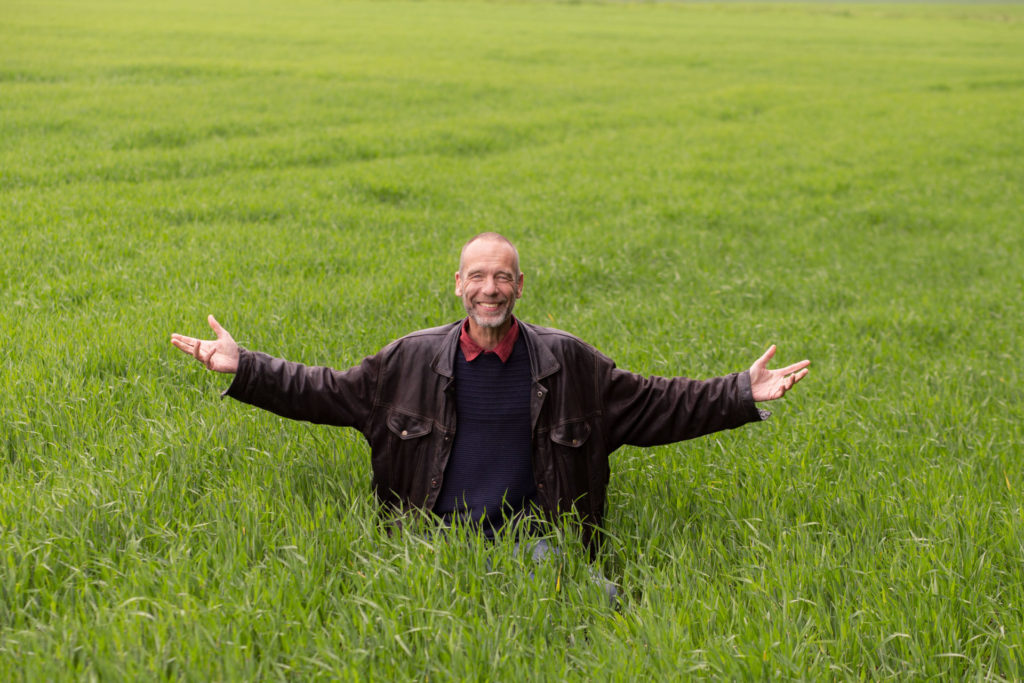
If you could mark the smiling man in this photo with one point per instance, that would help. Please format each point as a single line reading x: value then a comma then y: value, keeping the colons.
x: 491, y: 419
x: 489, y: 282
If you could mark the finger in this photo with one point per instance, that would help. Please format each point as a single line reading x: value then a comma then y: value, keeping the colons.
x: 791, y: 380
x: 197, y: 349
x: 207, y: 354
x: 215, y: 326
x: 795, y: 367
x: 767, y: 356
x: 183, y: 343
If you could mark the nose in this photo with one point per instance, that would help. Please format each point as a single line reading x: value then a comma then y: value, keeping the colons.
x: 490, y: 286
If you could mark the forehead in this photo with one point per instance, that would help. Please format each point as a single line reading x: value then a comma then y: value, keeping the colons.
x: 486, y: 254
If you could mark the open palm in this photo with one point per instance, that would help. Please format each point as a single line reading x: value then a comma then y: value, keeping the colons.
x: 768, y: 385
x: 219, y: 355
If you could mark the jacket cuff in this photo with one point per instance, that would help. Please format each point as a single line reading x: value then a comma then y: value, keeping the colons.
x: 240, y: 380
x: 756, y: 414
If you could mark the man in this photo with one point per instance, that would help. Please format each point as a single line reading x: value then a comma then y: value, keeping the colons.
x: 491, y: 419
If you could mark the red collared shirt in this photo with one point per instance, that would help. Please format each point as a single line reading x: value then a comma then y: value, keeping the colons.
x: 470, y: 349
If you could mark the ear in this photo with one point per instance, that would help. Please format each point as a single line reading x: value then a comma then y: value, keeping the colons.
x: 519, y: 285
x: 458, y: 284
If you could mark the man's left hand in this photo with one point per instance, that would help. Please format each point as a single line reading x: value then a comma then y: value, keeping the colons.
x: 768, y: 385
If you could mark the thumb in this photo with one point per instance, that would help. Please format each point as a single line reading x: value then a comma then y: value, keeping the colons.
x: 761, y: 362
x: 215, y: 326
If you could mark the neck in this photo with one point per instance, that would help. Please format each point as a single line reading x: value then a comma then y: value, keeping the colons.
x: 488, y: 337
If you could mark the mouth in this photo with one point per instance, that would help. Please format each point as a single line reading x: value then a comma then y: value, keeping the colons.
x: 489, y: 306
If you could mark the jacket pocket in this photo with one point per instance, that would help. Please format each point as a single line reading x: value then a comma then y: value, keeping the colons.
x: 402, y: 469
x: 572, y: 434
x: 406, y: 426
x: 567, y: 465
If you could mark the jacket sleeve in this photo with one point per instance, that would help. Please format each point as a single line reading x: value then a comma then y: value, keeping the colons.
x: 300, y: 392
x: 649, y: 411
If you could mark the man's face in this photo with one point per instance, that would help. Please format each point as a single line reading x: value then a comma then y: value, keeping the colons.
x: 489, y: 282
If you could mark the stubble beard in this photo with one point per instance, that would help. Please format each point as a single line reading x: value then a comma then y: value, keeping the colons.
x: 499, y: 318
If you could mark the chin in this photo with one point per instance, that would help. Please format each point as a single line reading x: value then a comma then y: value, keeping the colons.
x: 491, y: 321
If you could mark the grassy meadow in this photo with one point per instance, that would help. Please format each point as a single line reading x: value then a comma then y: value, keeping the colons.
x: 687, y: 183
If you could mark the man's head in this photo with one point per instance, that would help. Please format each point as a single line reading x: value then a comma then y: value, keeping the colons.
x: 489, y: 280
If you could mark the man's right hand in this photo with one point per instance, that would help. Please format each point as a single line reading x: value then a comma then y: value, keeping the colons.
x: 219, y: 355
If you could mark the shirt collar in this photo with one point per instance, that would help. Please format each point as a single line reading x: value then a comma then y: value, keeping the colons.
x: 470, y: 349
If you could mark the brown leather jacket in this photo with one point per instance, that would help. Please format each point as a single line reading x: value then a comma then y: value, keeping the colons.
x: 582, y: 408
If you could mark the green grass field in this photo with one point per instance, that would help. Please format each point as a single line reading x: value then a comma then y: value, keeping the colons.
x: 687, y: 183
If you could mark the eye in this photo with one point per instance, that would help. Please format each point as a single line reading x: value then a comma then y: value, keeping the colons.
x: 503, y: 278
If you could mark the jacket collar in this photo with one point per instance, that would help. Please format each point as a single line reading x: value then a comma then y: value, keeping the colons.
x: 542, y: 361
x: 444, y: 360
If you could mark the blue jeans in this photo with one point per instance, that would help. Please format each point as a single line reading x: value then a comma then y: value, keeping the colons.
x: 541, y: 549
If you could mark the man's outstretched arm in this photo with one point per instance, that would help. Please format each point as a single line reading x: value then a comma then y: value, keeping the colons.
x: 219, y: 355
x: 293, y: 390
x: 768, y: 385
x: 648, y: 411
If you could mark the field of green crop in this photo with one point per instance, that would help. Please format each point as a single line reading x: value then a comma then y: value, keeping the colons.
x: 687, y: 183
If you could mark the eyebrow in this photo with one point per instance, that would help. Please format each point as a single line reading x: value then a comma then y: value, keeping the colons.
x: 480, y: 271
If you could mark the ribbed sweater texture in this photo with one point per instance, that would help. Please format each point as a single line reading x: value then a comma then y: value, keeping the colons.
x: 490, y: 465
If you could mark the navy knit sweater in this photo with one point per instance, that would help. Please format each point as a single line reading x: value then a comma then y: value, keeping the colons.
x: 489, y: 475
